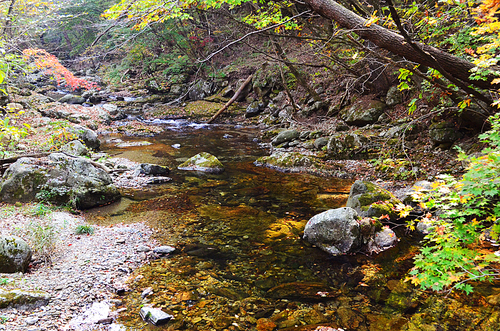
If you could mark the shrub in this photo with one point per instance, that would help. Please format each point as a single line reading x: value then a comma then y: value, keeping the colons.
x: 468, y: 212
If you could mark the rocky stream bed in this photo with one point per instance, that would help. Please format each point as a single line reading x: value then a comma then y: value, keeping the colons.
x: 241, y: 260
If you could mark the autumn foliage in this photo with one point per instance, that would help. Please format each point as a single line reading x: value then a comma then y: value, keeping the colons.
x: 45, y: 61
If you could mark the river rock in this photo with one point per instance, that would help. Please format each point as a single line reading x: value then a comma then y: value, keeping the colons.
x: 155, y: 316
x: 201, y: 90
x: 86, y: 135
x: 75, y: 148
x: 151, y: 170
x: 15, y: 254
x: 205, y: 162
x: 340, y: 231
x: 363, y: 112
x: 58, y: 178
x: 72, y: 99
x: 255, y: 108
x: 23, y: 299
x: 285, y: 136
x: 163, y: 250
x: 335, y: 231
x: 370, y: 200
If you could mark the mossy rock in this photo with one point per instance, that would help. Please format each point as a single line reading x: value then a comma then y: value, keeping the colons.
x: 15, y: 254
x: 23, y: 299
x: 205, y: 162
x: 370, y: 200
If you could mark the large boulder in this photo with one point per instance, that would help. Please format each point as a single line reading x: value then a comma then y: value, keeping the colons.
x: 363, y: 112
x: 444, y: 133
x: 15, y: 254
x: 341, y: 231
x: 58, y: 178
x: 335, y: 231
x: 370, y: 200
x: 201, y: 90
x: 205, y: 162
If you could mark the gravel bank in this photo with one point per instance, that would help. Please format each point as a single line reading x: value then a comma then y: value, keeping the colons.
x: 86, y: 272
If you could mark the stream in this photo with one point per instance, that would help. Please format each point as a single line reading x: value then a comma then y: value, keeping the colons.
x: 241, y: 263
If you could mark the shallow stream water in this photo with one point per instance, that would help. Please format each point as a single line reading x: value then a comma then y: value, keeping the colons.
x: 241, y: 262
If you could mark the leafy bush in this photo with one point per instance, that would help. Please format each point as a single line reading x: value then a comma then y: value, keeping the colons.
x: 468, y: 212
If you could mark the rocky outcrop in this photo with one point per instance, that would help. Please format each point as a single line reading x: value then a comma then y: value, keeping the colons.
x: 15, y: 254
x: 370, y: 200
x: 203, y: 162
x: 58, y: 178
x: 340, y: 231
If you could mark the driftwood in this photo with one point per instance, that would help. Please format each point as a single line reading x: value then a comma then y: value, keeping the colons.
x: 235, y: 96
x: 15, y: 158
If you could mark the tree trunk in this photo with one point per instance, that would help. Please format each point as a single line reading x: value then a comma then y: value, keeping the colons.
x: 395, y: 43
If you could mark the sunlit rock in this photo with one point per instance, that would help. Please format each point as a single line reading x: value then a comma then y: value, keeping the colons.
x: 203, y: 162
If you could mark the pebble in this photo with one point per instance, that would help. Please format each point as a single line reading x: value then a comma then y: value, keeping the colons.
x: 110, y: 255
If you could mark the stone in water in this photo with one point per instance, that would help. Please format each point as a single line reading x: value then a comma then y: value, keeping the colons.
x: 155, y: 316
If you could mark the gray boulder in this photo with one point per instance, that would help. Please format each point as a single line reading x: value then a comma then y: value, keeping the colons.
x: 444, y: 133
x: 75, y: 148
x: 335, y: 231
x: 151, y: 170
x: 255, y: 108
x: 394, y: 96
x: 86, y: 135
x: 340, y: 231
x: 201, y: 90
x: 285, y: 136
x: 72, y: 99
x: 60, y: 179
x: 23, y: 299
x: 205, y: 162
x: 15, y: 254
x: 363, y: 112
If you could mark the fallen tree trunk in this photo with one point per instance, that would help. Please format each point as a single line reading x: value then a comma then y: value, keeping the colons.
x: 230, y: 102
x: 395, y: 43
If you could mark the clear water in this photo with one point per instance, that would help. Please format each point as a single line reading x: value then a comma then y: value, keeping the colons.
x: 242, y: 264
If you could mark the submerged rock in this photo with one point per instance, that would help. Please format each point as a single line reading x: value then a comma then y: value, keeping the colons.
x: 155, y: 316
x: 205, y: 162
x: 15, y: 254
